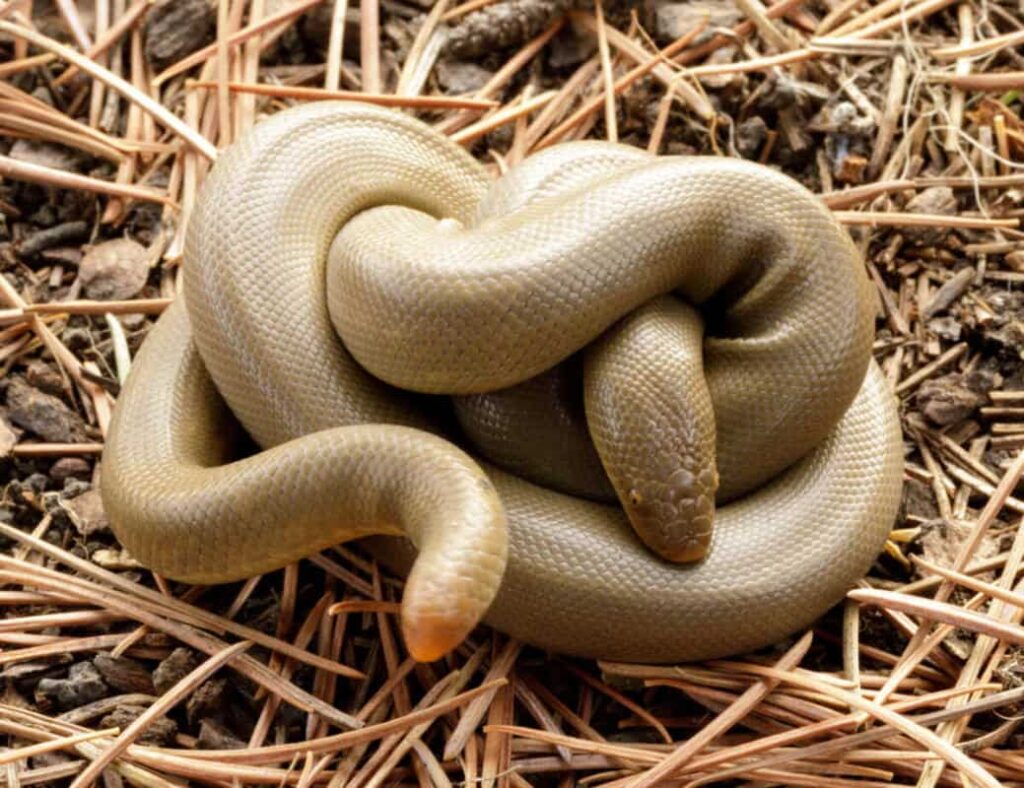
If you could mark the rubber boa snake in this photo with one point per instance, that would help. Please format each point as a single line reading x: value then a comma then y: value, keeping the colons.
x: 345, y: 266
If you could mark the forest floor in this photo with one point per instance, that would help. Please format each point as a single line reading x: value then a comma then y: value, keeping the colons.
x: 904, y: 115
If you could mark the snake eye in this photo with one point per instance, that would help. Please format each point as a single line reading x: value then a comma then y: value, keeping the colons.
x: 635, y: 497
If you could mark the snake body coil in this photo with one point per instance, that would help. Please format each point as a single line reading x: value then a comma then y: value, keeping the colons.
x: 589, y: 263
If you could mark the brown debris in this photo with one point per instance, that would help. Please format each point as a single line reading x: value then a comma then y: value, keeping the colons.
x: 87, y: 513
x: 174, y: 668
x: 42, y: 414
x: 936, y: 201
x: 952, y: 398
x: 114, y: 270
x: 70, y: 468
x: 124, y: 674
x: 8, y: 437
x: 674, y: 19
x: 502, y: 26
x: 175, y: 29
x: 82, y: 685
x: 160, y: 733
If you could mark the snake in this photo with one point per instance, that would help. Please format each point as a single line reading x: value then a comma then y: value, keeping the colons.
x: 613, y: 404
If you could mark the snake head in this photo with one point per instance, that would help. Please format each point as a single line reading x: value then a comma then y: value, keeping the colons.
x: 674, y: 517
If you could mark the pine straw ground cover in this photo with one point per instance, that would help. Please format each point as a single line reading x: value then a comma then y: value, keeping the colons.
x: 904, y: 115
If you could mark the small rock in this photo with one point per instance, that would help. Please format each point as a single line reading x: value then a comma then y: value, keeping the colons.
x: 42, y: 93
x: 843, y: 118
x: 919, y: 500
x: 214, y: 736
x: 785, y: 92
x: 159, y: 733
x: 115, y: 270
x: 722, y: 81
x: 941, y: 542
x: 114, y: 560
x: 459, y: 76
x: 750, y: 136
x: 76, y: 338
x: 34, y: 483
x: 316, y: 27
x: 73, y: 488
x: 178, y: 664
x: 1015, y: 261
x: 938, y: 200
x: 86, y: 513
x: 83, y: 685
x: 70, y: 468
x: 952, y: 398
x: 501, y: 26
x: 570, y: 48
x: 43, y: 414
x: 948, y: 328
x: 45, y: 377
x: 8, y: 437
x: 124, y: 674
x: 208, y: 700
x: 176, y: 28
x: 673, y: 20
x: 46, y: 154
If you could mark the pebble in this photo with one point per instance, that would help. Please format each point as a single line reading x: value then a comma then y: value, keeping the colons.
x: 502, y: 26
x: 43, y: 414
x: 459, y: 76
x: 76, y: 338
x: 938, y: 200
x: 952, y: 398
x: 114, y: 560
x: 87, y: 514
x: 44, y: 377
x: 46, y: 154
x: 750, y: 135
x: 941, y: 542
x: 673, y: 20
x: 124, y: 674
x: 175, y: 29
x: 316, y: 26
x: 208, y: 699
x: 73, y: 488
x: 70, y: 468
x: 214, y: 736
x: 83, y: 685
x: 115, y: 270
x: 178, y: 664
x: 159, y: 733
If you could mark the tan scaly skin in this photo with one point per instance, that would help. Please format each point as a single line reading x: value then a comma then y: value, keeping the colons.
x: 440, y: 282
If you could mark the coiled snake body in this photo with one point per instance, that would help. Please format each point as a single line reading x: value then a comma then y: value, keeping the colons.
x: 578, y: 264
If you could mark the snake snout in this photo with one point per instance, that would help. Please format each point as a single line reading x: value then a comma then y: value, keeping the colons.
x: 674, y: 518
x: 453, y: 514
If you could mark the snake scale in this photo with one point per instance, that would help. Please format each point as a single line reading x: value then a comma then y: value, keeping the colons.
x: 677, y: 344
